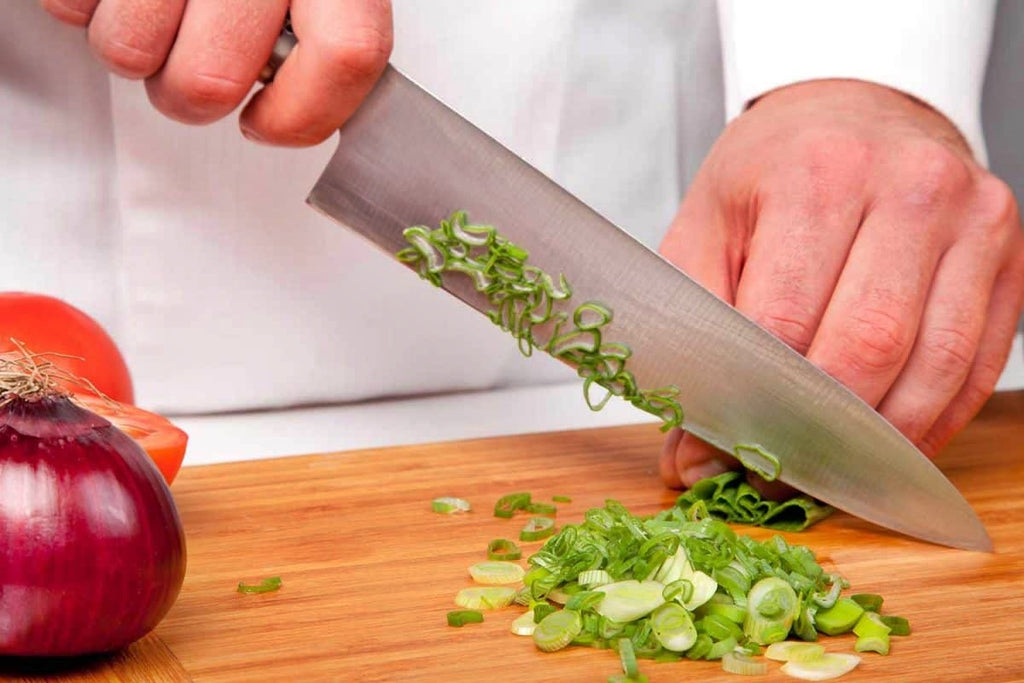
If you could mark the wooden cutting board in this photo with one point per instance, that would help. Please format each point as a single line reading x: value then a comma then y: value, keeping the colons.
x: 369, y: 572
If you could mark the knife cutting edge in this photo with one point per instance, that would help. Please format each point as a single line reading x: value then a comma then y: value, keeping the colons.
x: 405, y: 159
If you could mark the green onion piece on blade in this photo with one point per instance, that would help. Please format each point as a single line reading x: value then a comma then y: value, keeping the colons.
x: 268, y: 585
x: 465, y: 616
x: 502, y: 549
x: 557, y: 630
x: 496, y: 572
x: 745, y: 665
x: 830, y: 665
x: 485, y: 597
x: 839, y: 618
x: 537, y: 529
x: 449, y: 505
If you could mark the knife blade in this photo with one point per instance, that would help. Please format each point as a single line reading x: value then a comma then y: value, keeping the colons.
x: 406, y: 159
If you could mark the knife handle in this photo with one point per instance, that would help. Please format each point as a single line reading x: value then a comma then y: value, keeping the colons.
x: 286, y: 40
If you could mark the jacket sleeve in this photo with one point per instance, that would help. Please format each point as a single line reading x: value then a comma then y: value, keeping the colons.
x: 934, y: 50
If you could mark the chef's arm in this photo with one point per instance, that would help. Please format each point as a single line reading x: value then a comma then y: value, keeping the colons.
x: 200, y: 60
x: 847, y: 209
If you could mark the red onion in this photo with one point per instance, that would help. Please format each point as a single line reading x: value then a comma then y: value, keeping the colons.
x: 92, y: 553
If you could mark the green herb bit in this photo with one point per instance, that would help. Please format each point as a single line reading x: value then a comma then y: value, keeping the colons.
x: 869, y: 601
x: 839, y: 618
x: 542, y: 610
x: 268, y: 585
x: 449, y: 505
x: 561, y: 499
x: 461, y: 617
x: 532, y: 306
x: 898, y: 626
x: 872, y: 634
x: 537, y: 529
x: 557, y: 630
x: 502, y: 549
x: 507, y: 505
x: 545, y: 509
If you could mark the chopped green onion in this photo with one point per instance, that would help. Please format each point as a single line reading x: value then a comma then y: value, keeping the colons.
x: 561, y: 499
x: 872, y: 634
x: 485, y: 597
x: 507, y: 505
x: 592, y: 578
x: 899, y: 626
x: 268, y: 585
x: 627, y: 657
x: 542, y: 509
x: 839, y: 618
x: 584, y: 600
x: 869, y: 601
x: 623, y: 678
x: 496, y: 573
x: 557, y: 630
x: 829, y: 665
x: 627, y: 601
x: 701, y: 647
x: 542, y: 610
x: 759, y: 460
x: 537, y: 529
x: 733, y: 613
x: 465, y: 616
x: 719, y: 648
x: 772, y: 605
x: 794, y: 651
x: 744, y: 665
x: 503, y: 549
x: 673, y: 627
x: 720, y: 628
x: 524, y: 625
x: 449, y: 505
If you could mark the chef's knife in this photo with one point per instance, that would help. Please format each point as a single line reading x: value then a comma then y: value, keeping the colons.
x: 406, y: 159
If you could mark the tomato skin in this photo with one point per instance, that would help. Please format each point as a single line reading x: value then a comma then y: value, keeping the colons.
x: 45, y: 324
x: 164, y: 442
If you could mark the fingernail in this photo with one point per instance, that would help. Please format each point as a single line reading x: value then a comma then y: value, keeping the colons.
x: 252, y: 135
x: 709, y: 468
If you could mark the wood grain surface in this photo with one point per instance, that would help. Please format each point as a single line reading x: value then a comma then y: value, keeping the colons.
x: 369, y: 571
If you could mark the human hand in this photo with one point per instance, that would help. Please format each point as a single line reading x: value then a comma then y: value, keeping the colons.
x: 201, y: 58
x: 851, y: 221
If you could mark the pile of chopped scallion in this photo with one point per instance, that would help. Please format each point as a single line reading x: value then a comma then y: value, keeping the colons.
x: 669, y: 588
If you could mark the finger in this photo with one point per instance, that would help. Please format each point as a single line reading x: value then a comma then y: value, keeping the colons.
x: 343, y: 48
x: 699, y: 243
x: 133, y: 37
x: 217, y: 55
x: 1004, y: 311
x: 74, y: 12
x: 947, y: 342
x: 869, y: 326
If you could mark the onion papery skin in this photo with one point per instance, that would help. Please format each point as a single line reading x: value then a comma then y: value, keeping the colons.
x: 92, y: 551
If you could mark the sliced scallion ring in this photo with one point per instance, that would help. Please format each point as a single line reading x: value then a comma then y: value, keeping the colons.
x: 627, y: 657
x: 794, y: 651
x: 503, y: 549
x: 267, y: 585
x: 544, y: 509
x: 496, y: 572
x: 537, y: 529
x: 830, y: 665
x: 449, y: 505
x: 557, y: 630
x: 744, y: 665
x: 898, y: 626
x: 524, y: 625
x: 507, y: 505
x: 592, y: 578
x: 485, y: 597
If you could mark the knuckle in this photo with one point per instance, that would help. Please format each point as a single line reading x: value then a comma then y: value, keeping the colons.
x: 789, y: 319
x: 358, y: 56
x: 69, y: 11
x: 981, y: 383
x: 934, y: 174
x: 199, y: 97
x: 873, y: 340
x: 127, y: 60
x: 948, y: 351
x: 996, y: 203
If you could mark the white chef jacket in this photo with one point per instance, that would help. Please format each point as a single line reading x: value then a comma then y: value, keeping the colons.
x: 226, y: 293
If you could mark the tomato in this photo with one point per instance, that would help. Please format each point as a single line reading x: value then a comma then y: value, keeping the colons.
x: 48, y: 325
x: 164, y: 442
